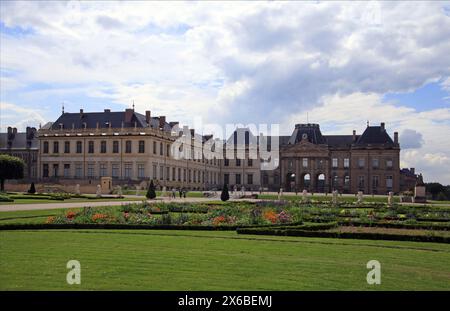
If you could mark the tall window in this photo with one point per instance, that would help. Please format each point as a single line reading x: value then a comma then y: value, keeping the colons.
x: 184, y: 175
x: 161, y: 150
x: 45, y: 169
x: 226, y: 162
x: 66, y: 170
x: 115, y: 170
x: 374, y: 182
x: 250, y: 162
x: 155, y: 172
x: 90, y: 170
x: 167, y: 173
x: 389, y: 163
x: 161, y: 172
x: 128, y: 146
x: 45, y: 148
x: 154, y: 147
x: 346, y: 163
x: 389, y: 182
x: 226, y: 179
x: 375, y: 163
x: 361, y: 182
x: 103, y: 147
x: 79, y: 147
x: 173, y: 173
x: 238, y: 179
x: 67, y: 147
x: 361, y: 162
x: 127, y: 170
x: 55, y: 147
x: 141, y: 170
x: 78, y: 170
x: 305, y: 162
x: 141, y: 146
x: 91, y: 147
x: 334, y: 162
x: 238, y: 162
x: 179, y: 174
x: 102, y: 169
x: 167, y: 150
x: 347, y: 181
x: 116, y: 146
x: 250, y: 179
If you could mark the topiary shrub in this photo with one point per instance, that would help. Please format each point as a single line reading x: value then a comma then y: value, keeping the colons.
x: 225, y: 195
x: 151, y: 193
x: 32, y: 189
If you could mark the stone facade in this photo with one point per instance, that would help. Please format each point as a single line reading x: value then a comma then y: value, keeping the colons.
x: 131, y: 148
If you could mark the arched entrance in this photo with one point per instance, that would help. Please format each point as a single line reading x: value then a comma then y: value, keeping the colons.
x: 306, y: 182
x: 290, y: 182
x: 321, y: 182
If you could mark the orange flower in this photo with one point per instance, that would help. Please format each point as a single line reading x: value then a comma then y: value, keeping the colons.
x: 270, y: 216
x: 96, y: 217
x: 50, y: 219
x: 219, y: 220
x: 70, y: 215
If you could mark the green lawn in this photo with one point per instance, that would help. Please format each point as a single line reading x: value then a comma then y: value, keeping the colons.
x: 73, y: 200
x: 213, y: 260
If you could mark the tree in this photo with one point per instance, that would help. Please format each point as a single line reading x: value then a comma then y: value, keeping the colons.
x: 151, y: 194
x: 32, y: 188
x: 225, y: 195
x: 10, y: 168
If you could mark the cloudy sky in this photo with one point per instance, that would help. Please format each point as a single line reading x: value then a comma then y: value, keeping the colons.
x: 339, y: 64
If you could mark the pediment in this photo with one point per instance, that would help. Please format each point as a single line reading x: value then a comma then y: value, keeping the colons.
x: 305, y: 147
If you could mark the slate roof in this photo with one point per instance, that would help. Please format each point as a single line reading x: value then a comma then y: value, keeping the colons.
x: 340, y: 141
x: 375, y: 135
x: 312, y: 132
x: 18, y: 142
x: 103, y: 119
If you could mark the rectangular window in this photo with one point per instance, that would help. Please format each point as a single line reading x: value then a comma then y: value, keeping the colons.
x: 155, y: 173
x: 55, y: 147
x: 78, y: 170
x: 90, y: 170
x: 66, y: 170
x: 361, y: 182
x: 389, y: 163
x: 115, y: 170
x: 250, y: 162
x: 128, y: 146
x: 67, y: 147
x: 103, y: 146
x: 91, y: 147
x: 347, y: 181
x: 346, y: 163
x: 361, y: 162
x: 154, y: 147
x: 161, y: 172
x: 184, y: 175
x: 238, y: 162
x: 238, y: 179
x: 141, y: 146
x: 305, y: 162
x: 173, y: 173
x: 250, y: 179
x: 45, y: 148
x: 161, y: 149
x: 116, y: 146
x: 179, y: 174
x: 226, y: 179
x: 227, y: 162
x: 79, y: 147
x: 141, y: 170
x: 45, y: 170
x: 127, y: 170
x: 374, y: 182
x: 375, y: 163
x: 334, y: 162
x: 389, y: 182
x: 102, y: 169
x: 167, y: 173
x: 55, y: 170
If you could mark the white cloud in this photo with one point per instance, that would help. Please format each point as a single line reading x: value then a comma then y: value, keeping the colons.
x: 28, y: 116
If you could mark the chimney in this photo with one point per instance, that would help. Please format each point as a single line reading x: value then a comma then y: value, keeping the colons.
x: 396, y: 137
x: 128, y: 115
x: 413, y: 170
x: 14, y: 130
x: 382, y: 126
x: 162, y: 121
x: 354, y: 135
x: 173, y: 123
x: 81, y: 113
x: 148, y: 116
x: 9, y: 130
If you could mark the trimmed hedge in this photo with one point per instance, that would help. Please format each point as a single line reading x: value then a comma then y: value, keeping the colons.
x: 430, y: 226
x: 346, y: 235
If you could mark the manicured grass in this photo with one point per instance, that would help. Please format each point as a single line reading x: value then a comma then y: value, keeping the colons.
x: 72, y: 200
x: 194, y: 260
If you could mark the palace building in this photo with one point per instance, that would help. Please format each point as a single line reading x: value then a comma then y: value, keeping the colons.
x: 131, y: 147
